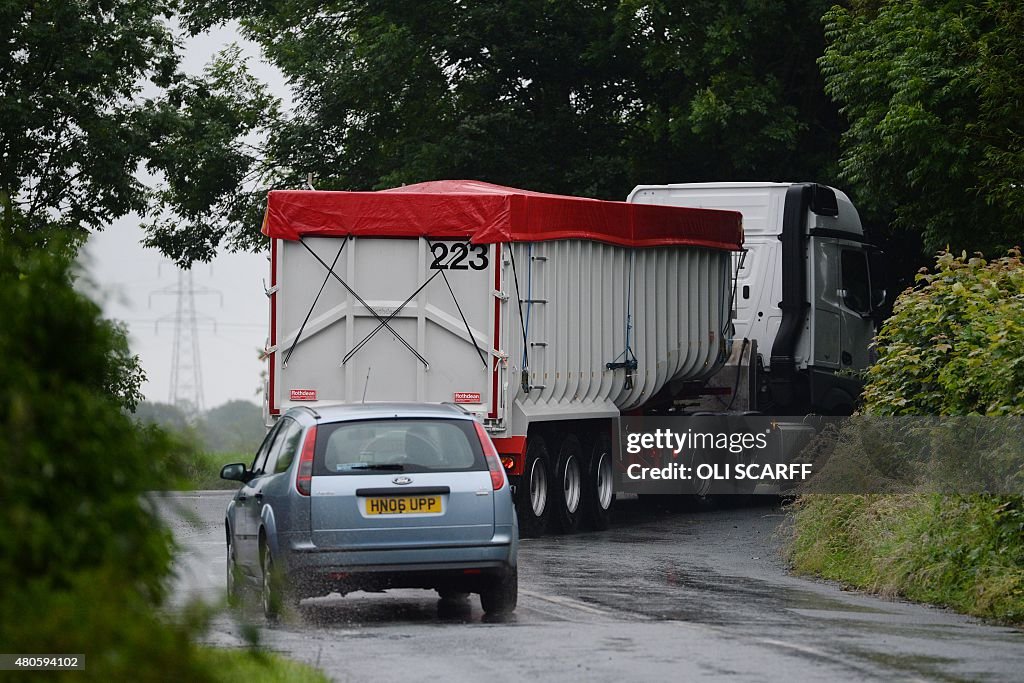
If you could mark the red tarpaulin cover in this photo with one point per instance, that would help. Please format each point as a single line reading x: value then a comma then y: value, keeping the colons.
x: 486, y: 213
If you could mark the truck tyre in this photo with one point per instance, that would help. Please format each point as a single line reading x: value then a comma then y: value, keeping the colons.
x: 533, y: 495
x: 502, y: 594
x: 568, y: 486
x: 599, y: 485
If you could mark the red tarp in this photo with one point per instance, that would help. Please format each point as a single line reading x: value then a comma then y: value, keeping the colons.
x: 485, y: 213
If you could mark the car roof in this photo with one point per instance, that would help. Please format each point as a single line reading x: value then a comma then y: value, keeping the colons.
x: 342, y: 412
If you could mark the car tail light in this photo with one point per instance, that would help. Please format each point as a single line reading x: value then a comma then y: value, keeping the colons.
x: 491, y: 455
x: 304, y: 475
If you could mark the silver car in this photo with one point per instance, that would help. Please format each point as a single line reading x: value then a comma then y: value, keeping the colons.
x: 370, y: 497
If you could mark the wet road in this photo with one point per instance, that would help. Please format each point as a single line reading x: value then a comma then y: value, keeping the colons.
x: 659, y: 596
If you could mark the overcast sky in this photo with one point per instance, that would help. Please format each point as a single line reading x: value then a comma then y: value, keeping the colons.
x: 128, y: 278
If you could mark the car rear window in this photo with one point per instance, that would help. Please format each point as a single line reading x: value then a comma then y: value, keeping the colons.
x: 399, y: 445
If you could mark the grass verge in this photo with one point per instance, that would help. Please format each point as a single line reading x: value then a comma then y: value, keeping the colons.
x: 256, y: 666
x: 964, y: 552
x: 201, y: 471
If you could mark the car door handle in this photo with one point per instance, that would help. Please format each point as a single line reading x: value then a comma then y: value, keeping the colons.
x: 259, y: 497
x: 242, y: 498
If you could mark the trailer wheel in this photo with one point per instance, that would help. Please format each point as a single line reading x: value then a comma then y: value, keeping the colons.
x: 599, y: 485
x: 568, y: 485
x: 533, y: 493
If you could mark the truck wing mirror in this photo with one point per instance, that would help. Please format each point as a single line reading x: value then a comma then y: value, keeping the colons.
x: 853, y: 300
x: 878, y: 298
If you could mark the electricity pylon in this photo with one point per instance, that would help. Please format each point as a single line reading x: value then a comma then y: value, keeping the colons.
x: 186, y: 387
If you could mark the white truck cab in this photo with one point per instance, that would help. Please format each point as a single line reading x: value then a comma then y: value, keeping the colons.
x: 803, y: 295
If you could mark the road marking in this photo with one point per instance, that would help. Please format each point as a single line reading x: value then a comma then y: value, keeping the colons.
x: 571, y: 603
x: 806, y: 649
x: 554, y: 616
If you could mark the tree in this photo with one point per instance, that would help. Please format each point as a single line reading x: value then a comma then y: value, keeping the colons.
x: 85, y: 574
x: 932, y: 92
x: 89, y: 94
x: 214, y: 177
x: 71, y: 137
x: 85, y: 560
x: 234, y: 427
x: 166, y: 416
x: 955, y: 342
x: 573, y: 97
x: 731, y: 92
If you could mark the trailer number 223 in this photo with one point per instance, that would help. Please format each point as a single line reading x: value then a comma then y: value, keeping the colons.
x: 459, y: 253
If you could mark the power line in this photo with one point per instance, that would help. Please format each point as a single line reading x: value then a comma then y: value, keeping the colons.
x: 204, y: 324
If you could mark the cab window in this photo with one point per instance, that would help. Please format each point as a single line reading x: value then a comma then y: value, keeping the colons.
x: 855, y: 284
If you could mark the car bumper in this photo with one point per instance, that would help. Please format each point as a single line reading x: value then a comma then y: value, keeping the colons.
x: 317, y: 571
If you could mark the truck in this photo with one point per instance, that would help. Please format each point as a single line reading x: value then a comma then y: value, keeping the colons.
x: 551, y: 317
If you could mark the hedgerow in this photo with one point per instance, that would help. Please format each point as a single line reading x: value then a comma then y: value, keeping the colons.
x: 955, y: 343
x: 953, y: 346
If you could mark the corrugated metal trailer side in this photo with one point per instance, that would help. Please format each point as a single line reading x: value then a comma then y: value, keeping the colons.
x: 588, y: 305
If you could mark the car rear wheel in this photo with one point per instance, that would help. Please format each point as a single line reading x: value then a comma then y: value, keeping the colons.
x: 502, y: 595
x: 235, y: 580
x: 533, y: 494
x: 451, y: 595
x: 272, y: 593
x: 568, y: 488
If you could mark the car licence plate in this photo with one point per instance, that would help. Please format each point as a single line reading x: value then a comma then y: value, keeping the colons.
x: 404, y: 505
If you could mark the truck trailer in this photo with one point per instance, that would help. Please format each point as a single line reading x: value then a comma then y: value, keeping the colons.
x: 549, y: 317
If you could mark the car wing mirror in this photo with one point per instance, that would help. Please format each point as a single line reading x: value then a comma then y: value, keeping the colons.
x: 235, y: 472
